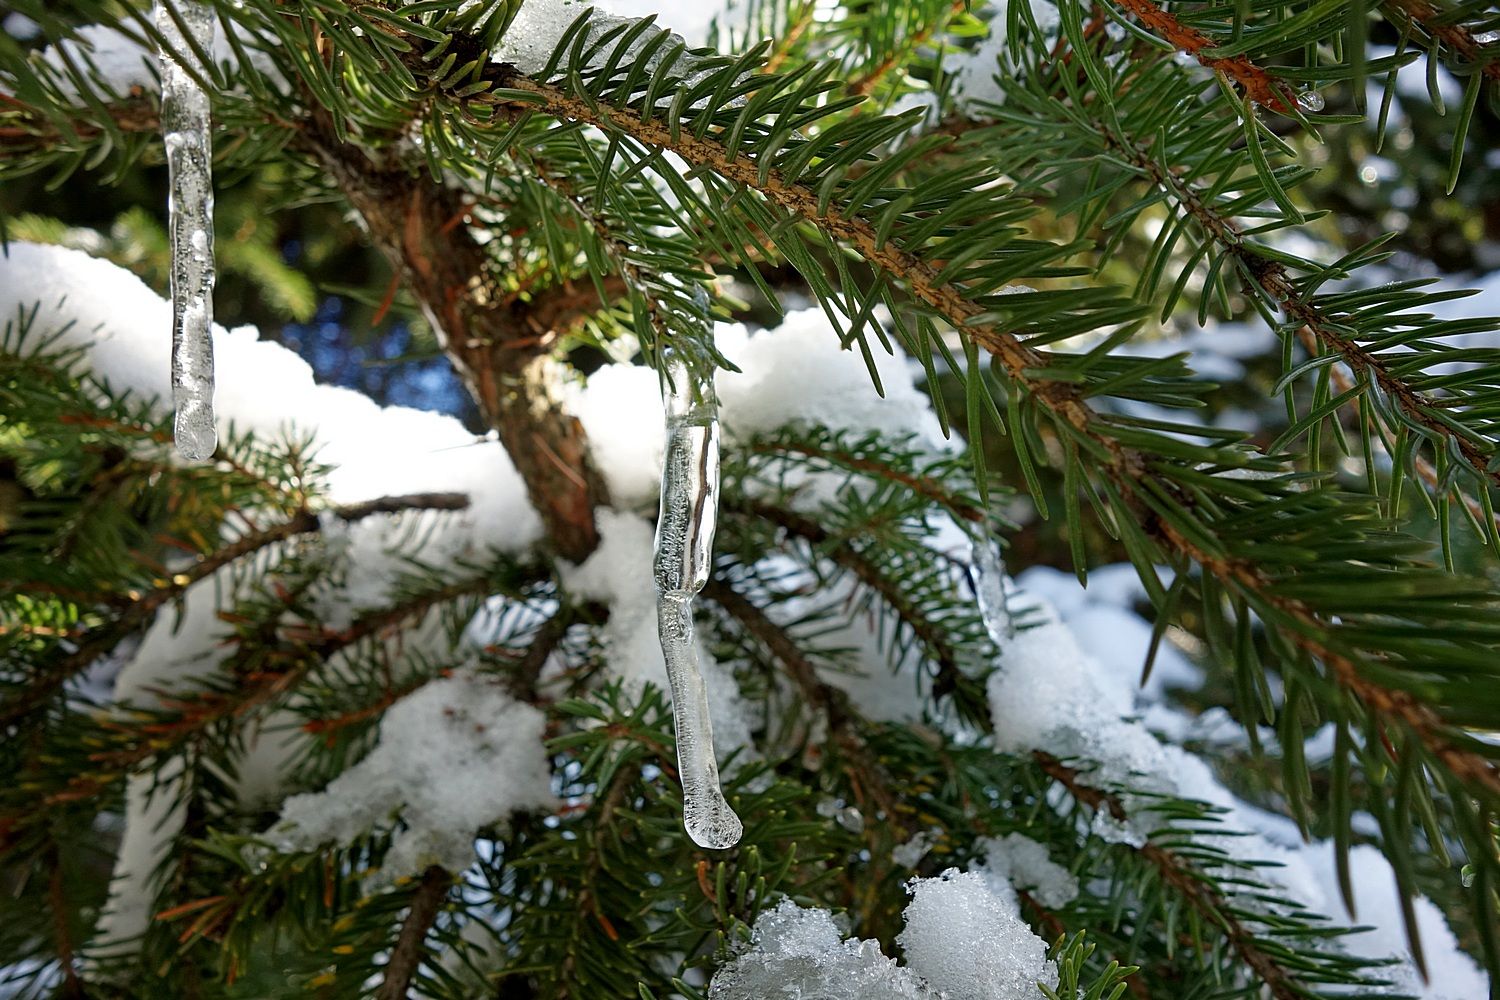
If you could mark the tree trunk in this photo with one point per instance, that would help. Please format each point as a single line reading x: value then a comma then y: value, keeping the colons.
x: 502, y: 352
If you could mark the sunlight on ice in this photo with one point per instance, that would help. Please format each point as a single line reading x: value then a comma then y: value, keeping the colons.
x: 185, y: 132
x: 684, y: 556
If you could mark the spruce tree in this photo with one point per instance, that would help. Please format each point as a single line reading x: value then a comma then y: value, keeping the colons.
x: 692, y: 668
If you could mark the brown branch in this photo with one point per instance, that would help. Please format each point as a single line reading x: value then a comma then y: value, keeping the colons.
x: 141, y: 611
x: 1125, y: 467
x: 1186, y: 880
x: 67, y: 951
x: 1456, y: 36
x: 1259, y: 85
x: 1273, y: 280
x: 503, y: 359
x: 945, y: 658
x: 280, y: 661
x: 406, y: 956
x: 793, y: 35
x: 609, y: 803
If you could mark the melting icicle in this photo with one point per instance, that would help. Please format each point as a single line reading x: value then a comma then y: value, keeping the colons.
x: 184, y: 122
x: 987, y: 573
x: 684, y: 556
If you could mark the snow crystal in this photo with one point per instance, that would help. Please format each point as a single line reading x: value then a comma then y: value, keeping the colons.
x: 1024, y: 864
x: 798, y: 373
x: 799, y: 953
x: 969, y: 943
x: 910, y: 853
x: 457, y: 755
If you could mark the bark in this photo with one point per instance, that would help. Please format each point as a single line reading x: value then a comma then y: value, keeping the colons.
x: 502, y: 350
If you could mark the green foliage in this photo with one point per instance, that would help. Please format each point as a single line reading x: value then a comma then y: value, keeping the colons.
x: 1020, y: 252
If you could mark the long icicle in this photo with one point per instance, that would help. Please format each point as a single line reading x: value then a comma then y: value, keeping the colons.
x: 185, y: 131
x: 684, y: 556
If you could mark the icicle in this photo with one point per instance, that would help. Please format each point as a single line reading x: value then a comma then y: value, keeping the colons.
x: 684, y: 556
x: 987, y: 573
x: 184, y: 122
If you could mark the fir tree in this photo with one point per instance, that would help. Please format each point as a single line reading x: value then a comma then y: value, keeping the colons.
x: 354, y: 701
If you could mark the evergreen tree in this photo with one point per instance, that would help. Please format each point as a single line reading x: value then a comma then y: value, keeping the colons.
x: 363, y: 703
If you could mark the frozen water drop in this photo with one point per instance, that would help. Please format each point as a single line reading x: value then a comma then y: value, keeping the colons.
x: 987, y: 574
x: 1310, y: 100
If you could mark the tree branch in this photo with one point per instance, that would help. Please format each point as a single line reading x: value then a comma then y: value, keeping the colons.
x: 1188, y: 882
x: 279, y: 661
x: 1259, y: 85
x: 505, y: 362
x: 1271, y: 277
x: 1456, y: 36
x: 870, y: 781
x: 1126, y: 468
x: 406, y: 956
x: 143, y: 610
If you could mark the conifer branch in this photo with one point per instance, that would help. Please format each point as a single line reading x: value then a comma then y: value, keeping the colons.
x: 870, y: 781
x: 866, y: 84
x: 1258, y: 84
x: 1455, y: 36
x: 1127, y: 468
x: 142, y: 611
x: 926, y: 486
x: 1195, y: 890
x: 282, y: 659
x: 1271, y: 278
x: 407, y: 955
x: 949, y: 672
x: 610, y: 803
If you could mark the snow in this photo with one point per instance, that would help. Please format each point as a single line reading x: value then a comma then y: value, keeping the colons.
x: 799, y: 954
x: 1024, y: 864
x: 1051, y: 695
x: 539, y: 26
x: 1453, y: 974
x: 968, y: 942
x: 456, y: 755
x: 126, y: 66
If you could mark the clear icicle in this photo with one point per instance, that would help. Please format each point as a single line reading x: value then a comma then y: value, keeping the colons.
x: 987, y: 573
x: 684, y: 556
x: 185, y: 131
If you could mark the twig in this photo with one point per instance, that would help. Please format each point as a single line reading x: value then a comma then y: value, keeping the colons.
x: 870, y: 781
x: 142, y: 611
x: 406, y: 956
x: 1261, y: 87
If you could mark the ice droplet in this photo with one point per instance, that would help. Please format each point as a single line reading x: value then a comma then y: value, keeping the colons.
x: 185, y: 135
x: 684, y: 557
x: 1310, y: 100
x: 987, y: 574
